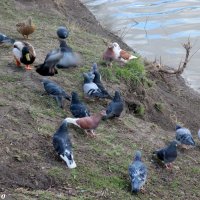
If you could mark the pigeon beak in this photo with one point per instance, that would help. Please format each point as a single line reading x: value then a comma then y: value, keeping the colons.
x: 27, y: 57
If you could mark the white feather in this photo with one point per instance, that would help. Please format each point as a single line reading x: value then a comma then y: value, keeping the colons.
x: 70, y: 165
x: 89, y: 86
x: 17, y: 53
x: 72, y: 121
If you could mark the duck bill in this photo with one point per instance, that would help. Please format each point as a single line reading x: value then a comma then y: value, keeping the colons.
x: 27, y: 57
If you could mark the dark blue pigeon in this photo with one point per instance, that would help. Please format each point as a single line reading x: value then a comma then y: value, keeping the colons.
x: 56, y: 91
x: 97, y: 80
x: 6, y: 40
x: 62, y: 32
x: 47, y: 68
x: 115, y: 107
x: 69, y: 58
x: 77, y: 108
x: 63, y: 146
x: 184, y: 136
x: 138, y: 173
x: 168, y: 154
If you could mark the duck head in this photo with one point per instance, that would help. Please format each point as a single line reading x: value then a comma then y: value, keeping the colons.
x: 25, y: 53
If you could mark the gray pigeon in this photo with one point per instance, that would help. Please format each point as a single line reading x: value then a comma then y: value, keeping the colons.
x: 69, y: 58
x: 184, y: 136
x: 168, y: 154
x: 6, y: 40
x: 56, y: 91
x: 97, y: 81
x: 77, y: 108
x: 63, y: 146
x: 138, y: 173
x: 115, y: 107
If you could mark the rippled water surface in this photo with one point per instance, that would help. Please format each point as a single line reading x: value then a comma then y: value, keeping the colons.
x: 155, y: 28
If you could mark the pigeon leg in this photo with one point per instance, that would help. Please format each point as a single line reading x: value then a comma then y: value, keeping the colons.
x: 28, y: 67
x: 142, y: 189
x: 92, y: 133
x: 169, y: 166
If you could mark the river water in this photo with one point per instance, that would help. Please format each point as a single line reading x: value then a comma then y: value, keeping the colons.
x: 155, y: 28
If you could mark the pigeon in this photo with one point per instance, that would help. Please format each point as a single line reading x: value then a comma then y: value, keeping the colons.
x: 69, y: 58
x: 62, y: 32
x: 88, y: 124
x: 63, y: 146
x: 184, y: 136
x: 5, y: 39
x: 91, y: 89
x: 97, y: 81
x: 77, y: 108
x: 48, y: 66
x: 138, y: 173
x: 24, y: 53
x: 56, y: 91
x: 120, y: 54
x: 115, y: 107
x: 168, y: 154
x: 109, y: 55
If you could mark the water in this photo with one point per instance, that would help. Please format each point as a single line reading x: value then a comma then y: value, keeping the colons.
x: 155, y: 28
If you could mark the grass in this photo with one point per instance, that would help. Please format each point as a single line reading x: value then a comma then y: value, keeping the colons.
x: 133, y: 73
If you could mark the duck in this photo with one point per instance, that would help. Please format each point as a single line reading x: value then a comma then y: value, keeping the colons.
x: 77, y: 108
x: 168, y: 154
x: 4, y: 39
x: 63, y: 146
x: 26, y: 28
x: 88, y: 124
x: 120, y: 54
x: 24, y: 53
x: 184, y: 137
x: 56, y: 91
x: 138, y: 173
x: 97, y: 81
x: 69, y: 58
x: 115, y: 107
x: 62, y: 32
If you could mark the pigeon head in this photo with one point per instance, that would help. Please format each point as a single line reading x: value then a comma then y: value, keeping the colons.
x: 178, y: 127
x: 117, y: 96
x: 116, y: 46
x: 135, y: 186
x: 94, y: 67
x: 75, y: 98
x: 88, y: 78
x: 62, y: 32
x: 174, y: 143
x: 69, y: 159
x: 138, y: 156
